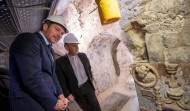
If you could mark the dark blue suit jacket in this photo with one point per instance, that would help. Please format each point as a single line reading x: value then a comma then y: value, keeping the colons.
x: 33, y: 85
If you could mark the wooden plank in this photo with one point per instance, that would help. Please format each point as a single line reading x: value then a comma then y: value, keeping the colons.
x: 114, y: 102
x: 73, y: 106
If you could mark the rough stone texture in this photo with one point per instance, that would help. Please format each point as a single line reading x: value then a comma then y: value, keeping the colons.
x: 170, y: 25
x: 169, y: 21
x: 154, y: 46
x: 179, y: 55
x: 135, y: 41
x: 130, y: 9
x: 101, y: 59
x: 171, y: 40
x: 185, y: 38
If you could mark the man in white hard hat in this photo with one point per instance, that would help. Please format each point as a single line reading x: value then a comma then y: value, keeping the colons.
x: 75, y: 77
x: 34, y: 85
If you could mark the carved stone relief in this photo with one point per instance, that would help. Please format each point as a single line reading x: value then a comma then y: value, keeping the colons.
x: 145, y: 108
x: 145, y: 75
x: 162, y: 86
x: 174, y: 94
x: 158, y: 98
x: 148, y: 94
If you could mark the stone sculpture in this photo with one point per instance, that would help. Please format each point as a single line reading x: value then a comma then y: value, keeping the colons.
x: 145, y: 75
x: 174, y: 94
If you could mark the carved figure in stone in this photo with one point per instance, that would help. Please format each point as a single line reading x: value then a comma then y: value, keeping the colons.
x: 145, y: 75
x: 174, y: 94
x: 174, y: 91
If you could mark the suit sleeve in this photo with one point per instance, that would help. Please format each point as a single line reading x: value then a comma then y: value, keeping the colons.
x: 28, y: 59
x: 61, y: 76
x: 58, y: 87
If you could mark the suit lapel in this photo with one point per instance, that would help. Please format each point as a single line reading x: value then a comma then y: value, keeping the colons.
x: 83, y: 61
x: 85, y: 64
x: 48, y: 51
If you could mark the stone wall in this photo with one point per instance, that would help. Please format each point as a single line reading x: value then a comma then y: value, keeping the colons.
x: 162, y: 31
x: 159, y: 40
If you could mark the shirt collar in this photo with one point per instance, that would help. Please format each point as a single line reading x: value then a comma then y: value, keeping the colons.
x: 45, y: 39
x: 71, y: 55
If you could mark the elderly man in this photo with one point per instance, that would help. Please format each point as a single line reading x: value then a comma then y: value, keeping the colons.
x: 74, y: 74
x: 34, y: 85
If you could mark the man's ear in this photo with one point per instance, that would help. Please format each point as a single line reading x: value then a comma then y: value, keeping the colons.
x: 45, y: 26
x: 67, y: 48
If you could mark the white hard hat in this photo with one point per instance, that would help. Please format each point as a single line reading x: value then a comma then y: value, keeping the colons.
x: 57, y: 19
x: 70, y: 38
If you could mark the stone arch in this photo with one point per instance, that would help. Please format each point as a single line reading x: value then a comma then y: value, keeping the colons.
x: 102, y: 55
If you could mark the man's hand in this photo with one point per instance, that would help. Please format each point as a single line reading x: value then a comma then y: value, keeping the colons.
x: 60, y: 105
x: 70, y: 97
x: 61, y: 97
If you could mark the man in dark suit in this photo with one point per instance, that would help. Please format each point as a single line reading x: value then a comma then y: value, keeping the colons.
x: 75, y: 77
x: 34, y: 85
